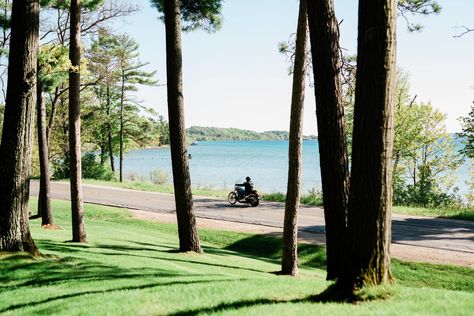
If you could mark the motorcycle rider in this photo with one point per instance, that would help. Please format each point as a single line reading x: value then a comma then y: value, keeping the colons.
x: 248, y: 187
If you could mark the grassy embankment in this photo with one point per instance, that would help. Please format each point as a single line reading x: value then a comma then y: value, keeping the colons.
x: 130, y: 267
x: 309, y: 198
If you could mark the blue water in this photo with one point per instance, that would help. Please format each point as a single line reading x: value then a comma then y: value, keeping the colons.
x: 221, y: 164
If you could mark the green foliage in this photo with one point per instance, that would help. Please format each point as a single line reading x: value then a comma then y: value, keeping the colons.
x: 197, y: 14
x: 54, y: 65
x: 198, y: 133
x: 417, y: 7
x: 467, y: 134
x: 312, y: 197
x: 470, y: 186
x: 117, y: 72
x: 65, y: 4
x: 92, y: 169
x: 453, y: 213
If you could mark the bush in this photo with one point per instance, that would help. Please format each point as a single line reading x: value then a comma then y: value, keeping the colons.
x: 91, y: 168
x: 424, y: 193
x: 313, y: 197
x: 159, y: 177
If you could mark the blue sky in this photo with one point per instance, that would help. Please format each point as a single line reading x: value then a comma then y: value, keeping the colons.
x: 237, y: 78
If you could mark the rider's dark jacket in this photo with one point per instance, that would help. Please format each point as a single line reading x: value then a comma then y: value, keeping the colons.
x: 248, y: 186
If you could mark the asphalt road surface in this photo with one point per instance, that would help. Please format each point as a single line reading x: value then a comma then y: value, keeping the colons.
x: 445, y: 234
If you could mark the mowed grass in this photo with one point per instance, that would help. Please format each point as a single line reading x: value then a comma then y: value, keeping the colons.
x: 130, y: 267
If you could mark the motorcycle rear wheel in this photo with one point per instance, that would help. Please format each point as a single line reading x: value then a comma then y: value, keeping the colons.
x: 232, y: 198
x: 254, y: 201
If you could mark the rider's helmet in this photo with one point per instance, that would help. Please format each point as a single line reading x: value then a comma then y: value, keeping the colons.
x: 248, y: 179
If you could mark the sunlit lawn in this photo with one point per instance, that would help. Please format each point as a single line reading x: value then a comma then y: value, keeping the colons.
x: 130, y: 267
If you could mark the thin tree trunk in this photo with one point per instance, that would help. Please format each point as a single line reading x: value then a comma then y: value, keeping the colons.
x: 187, y: 230
x: 77, y: 207
x: 370, y: 201
x: 44, y: 198
x: 109, y: 132
x: 122, y: 100
x: 54, y: 107
x: 324, y: 33
x: 17, y: 136
x: 289, y: 264
x: 102, y: 153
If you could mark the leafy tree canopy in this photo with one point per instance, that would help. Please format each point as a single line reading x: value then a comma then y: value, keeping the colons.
x: 65, y: 4
x: 197, y: 14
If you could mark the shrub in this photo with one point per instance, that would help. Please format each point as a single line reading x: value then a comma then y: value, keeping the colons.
x: 159, y: 177
x: 91, y: 168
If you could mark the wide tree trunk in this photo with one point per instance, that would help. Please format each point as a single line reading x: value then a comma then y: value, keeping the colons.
x: 44, y: 198
x: 324, y: 34
x: 289, y: 264
x: 370, y: 206
x: 77, y: 207
x: 188, y: 234
x: 17, y: 136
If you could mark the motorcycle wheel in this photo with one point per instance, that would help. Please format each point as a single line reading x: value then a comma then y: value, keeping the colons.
x: 254, y: 201
x: 232, y: 198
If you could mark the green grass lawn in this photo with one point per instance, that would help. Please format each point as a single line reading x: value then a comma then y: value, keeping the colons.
x: 130, y: 267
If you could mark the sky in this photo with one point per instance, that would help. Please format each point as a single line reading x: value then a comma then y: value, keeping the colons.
x: 237, y: 78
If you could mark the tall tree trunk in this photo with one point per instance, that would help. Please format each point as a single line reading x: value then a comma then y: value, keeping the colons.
x: 109, y: 132
x: 122, y: 101
x: 77, y: 207
x: 17, y: 136
x: 370, y: 206
x: 44, y: 198
x: 289, y: 265
x: 324, y: 33
x: 187, y: 230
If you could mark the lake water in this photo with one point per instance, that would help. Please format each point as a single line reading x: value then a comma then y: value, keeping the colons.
x: 221, y: 164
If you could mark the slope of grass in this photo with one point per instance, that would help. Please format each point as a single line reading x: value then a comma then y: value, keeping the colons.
x: 130, y: 267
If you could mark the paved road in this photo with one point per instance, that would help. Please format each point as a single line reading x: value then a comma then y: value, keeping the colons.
x: 426, y: 232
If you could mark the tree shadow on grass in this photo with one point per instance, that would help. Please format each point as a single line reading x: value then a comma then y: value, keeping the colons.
x: 268, y: 247
x: 236, y: 305
x: 127, y: 288
x: 18, y: 271
x: 129, y: 251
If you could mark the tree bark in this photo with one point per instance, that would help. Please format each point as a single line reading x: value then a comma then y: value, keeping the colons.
x: 77, y: 207
x: 188, y: 234
x: 370, y: 206
x: 44, y: 198
x: 324, y: 34
x: 289, y: 264
x: 122, y: 101
x: 109, y: 132
x: 17, y: 136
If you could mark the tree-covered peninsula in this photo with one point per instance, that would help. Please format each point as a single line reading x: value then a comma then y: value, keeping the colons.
x: 199, y: 133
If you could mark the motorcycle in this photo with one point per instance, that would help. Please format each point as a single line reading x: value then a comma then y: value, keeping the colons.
x: 239, y: 195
